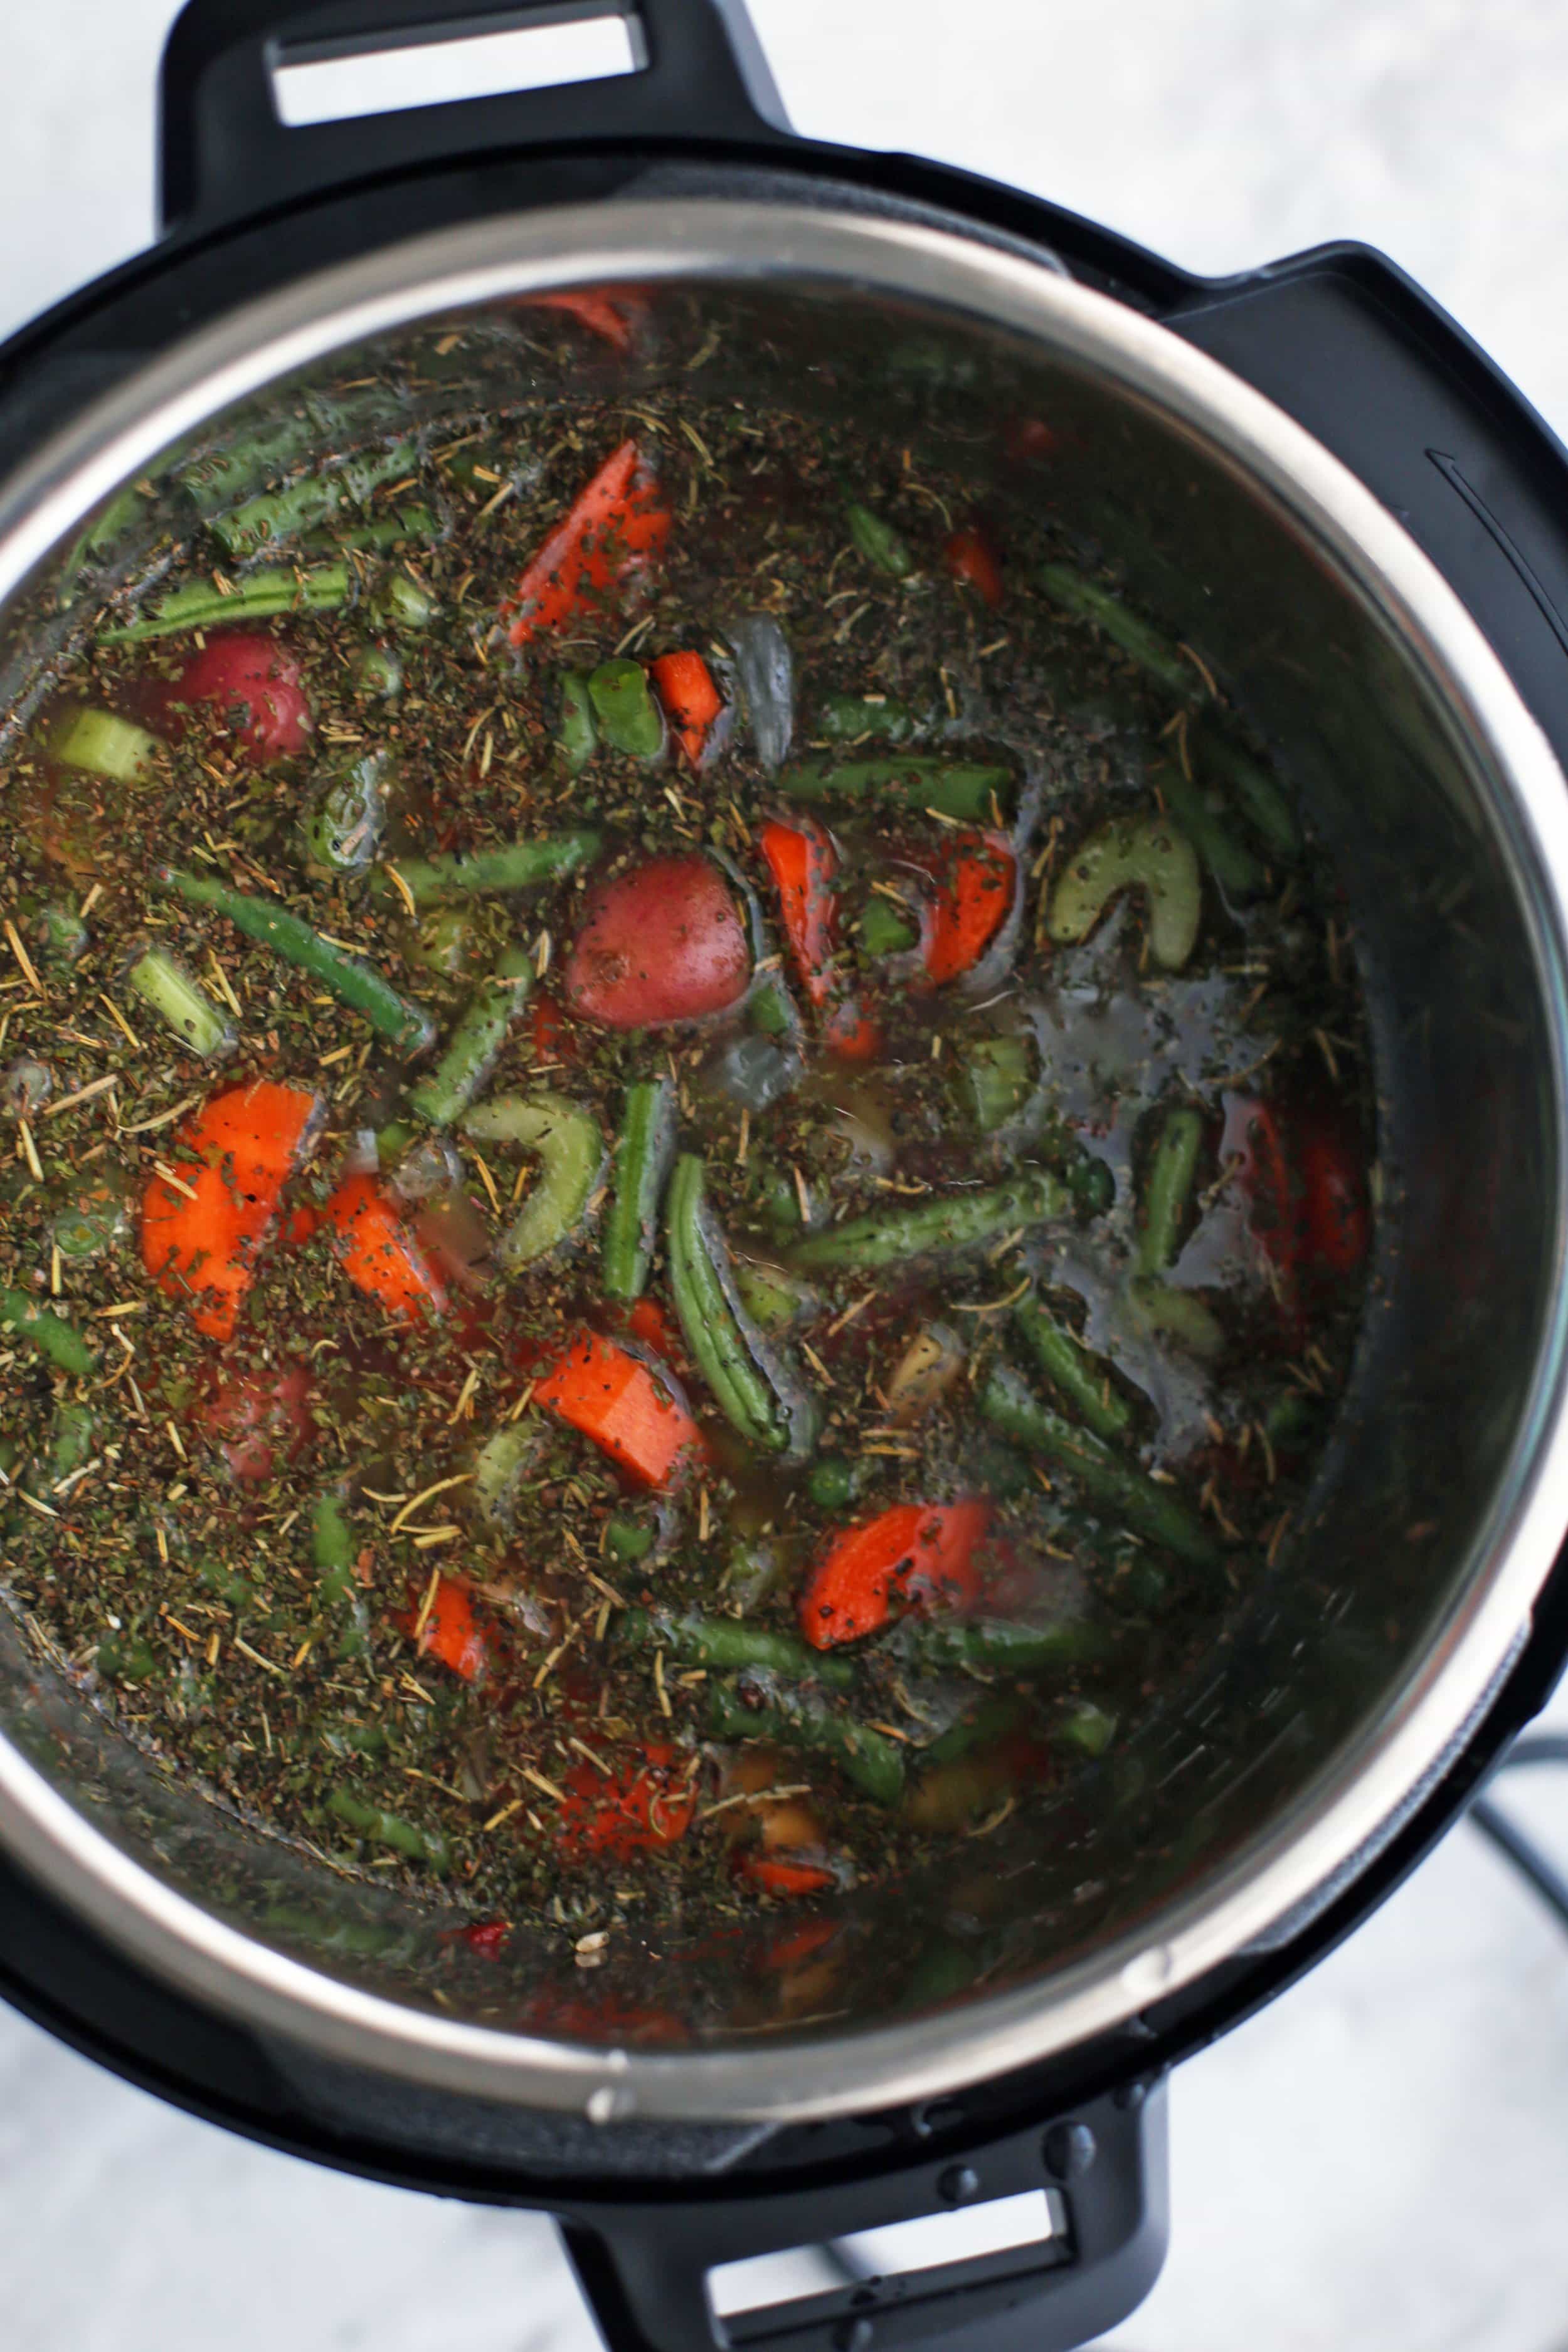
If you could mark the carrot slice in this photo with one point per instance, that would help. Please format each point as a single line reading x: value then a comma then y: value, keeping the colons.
x: 201, y: 1237
x: 379, y: 1255
x: 972, y: 559
x: 645, y: 1804
x: 615, y: 519
x: 691, y: 700
x: 908, y: 1556
x: 612, y: 1397
x: 775, y: 1875
x: 975, y: 886
x: 594, y: 312
x: 450, y: 1630
x: 803, y: 863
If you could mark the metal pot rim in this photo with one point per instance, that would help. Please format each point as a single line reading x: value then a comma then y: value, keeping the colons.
x: 1320, y: 1837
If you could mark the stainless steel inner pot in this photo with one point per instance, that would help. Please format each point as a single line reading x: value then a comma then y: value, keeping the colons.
x: 1345, y: 1673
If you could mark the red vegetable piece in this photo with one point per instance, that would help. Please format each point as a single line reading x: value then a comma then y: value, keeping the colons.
x: 1335, y: 1228
x: 1030, y: 439
x: 550, y: 1031
x: 648, y: 1321
x: 780, y: 1874
x: 911, y: 1555
x: 803, y: 862
x: 255, y: 684
x: 611, y: 318
x: 972, y: 559
x: 235, y: 1157
x: 645, y: 1804
x: 260, y: 1419
x: 977, y: 882
x: 449, y: 1632
x: 489, y: 1938
x: 664, y: 942
x: 379, y: 1255
x: 691, y: 700
x: 613, y: 1397
x: 616, y: 521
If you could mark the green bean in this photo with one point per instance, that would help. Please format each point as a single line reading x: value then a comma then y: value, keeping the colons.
x: 1255, y: 791
x: 993, y: 1080
x: 1168, y: 1188
x: 771, y: 1297
x: 261, y: 596
x: 444, y: 942
x: 729, y: 1354
x: 987, y: 1723
x: 300, y: 506
x: 883, y: 547
x: 415, y: 524
x: 629, y: 719
x: 850, y: 717
x: 341, y: 832
x: 358, y: 984
x: 181, y: 1002
x: 884, y: 931
x: 1086, y: 1727
x: 955, y: 1220
x: 1147, y: 647
x: 402, y: 604
x: 220, y: 477
x: 1011, y: 1406
x: 570, y: 1153
x: 868, y: 1757
x: 518, y: 866
x: 729, y: 1644
x: 335, y: 1552
x: 1161, y: 1307
x: 101, y: 536
x: 997, y: 1644
x: 1232, y: 864
x: 100, y: 744
x: 835, y: 1482
x: 577, y: 733
x: 958, y: 788
x: 52, y: 1335
x: 1146, y: 854
x: 643, y: 1151
x: 1066, y: 1366
x: 379, y: 1828
x: 377, y: 672
x: 476, y: 1041
x: 498, y: 1466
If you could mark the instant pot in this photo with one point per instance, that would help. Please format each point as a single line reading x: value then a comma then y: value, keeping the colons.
x: 1317, y: 481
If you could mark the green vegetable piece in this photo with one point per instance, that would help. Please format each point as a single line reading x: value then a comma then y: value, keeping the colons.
x: 629, y: 719
x: 84, y: 1229
x: 444, y: 942
x: 993, y: 1080
x: 409, y: 524
x: 1147, y: 853
x: 99, y: 743
x: 336, y: 1551
x: 850, y: 717
x: 392, y: 1140
x: 1168, y: 1188
x: 835, y: 1482
x: 1232, y: 864
x: 475, y: 1042
x: 884, y: 931
x: 577, y: 733
x: 871, y: 1760
x: 126, y: 1659
x: 52, y: 1335
x: 769, y: 1009
x: 99, y: 541
x: 390, y: 1829
x: 498, y: 1466
x: 181, y: 1002
x: 376, y: 671
x: 1068, y: 1367
x: 343, y: 830
x: 988, y: 1722
x: 1181, y: 1313
x: 261, y: 596
x: 771, y: 1297
x: 1152, y: 1510
x: 408, y: 1026
x: 1089, y: 602
x: 518, y: 866
x: 402, y: 604
x: 284, y: 514
x: 571, y: 1152
x: 1086, y: 1727
x: 749, y: 1390
x: 1253, y: 790
x: 998, y: 1645
x: 959, y: 788
x: 628, y: 1540
x: 955, y: 1220
x: 884, y: 548
x: 730, y: 1644
x: 60, y: 934
x: 643, y: 1152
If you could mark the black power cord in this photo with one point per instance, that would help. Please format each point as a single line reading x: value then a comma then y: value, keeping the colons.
x: 1549, y: 1882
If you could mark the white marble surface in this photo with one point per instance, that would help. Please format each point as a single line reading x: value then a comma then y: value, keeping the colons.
x: 1380, y: 2162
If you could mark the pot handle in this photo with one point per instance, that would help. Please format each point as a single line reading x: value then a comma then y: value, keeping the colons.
x: 225, y: 152
x: 1098, y: 2172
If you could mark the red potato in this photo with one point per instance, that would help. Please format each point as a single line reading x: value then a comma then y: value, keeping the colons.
x: 261, y: 1420
x: 665, y: 942
x: 255, y: 684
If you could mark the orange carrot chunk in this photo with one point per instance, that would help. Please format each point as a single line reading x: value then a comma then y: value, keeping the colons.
x: 975, y: 886
x: 449, y: 1632
x: 612, y: 1397
x: 776, y: 1875
x: 643, y: 1804
x: 691, y: 700
x: 907, y: 1557
x: 378, y: 1253
x: 202, y: 1236
x: 972, y: 559
x: 596, y: 312
x: 803, y: 863
x: 617, y: 520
